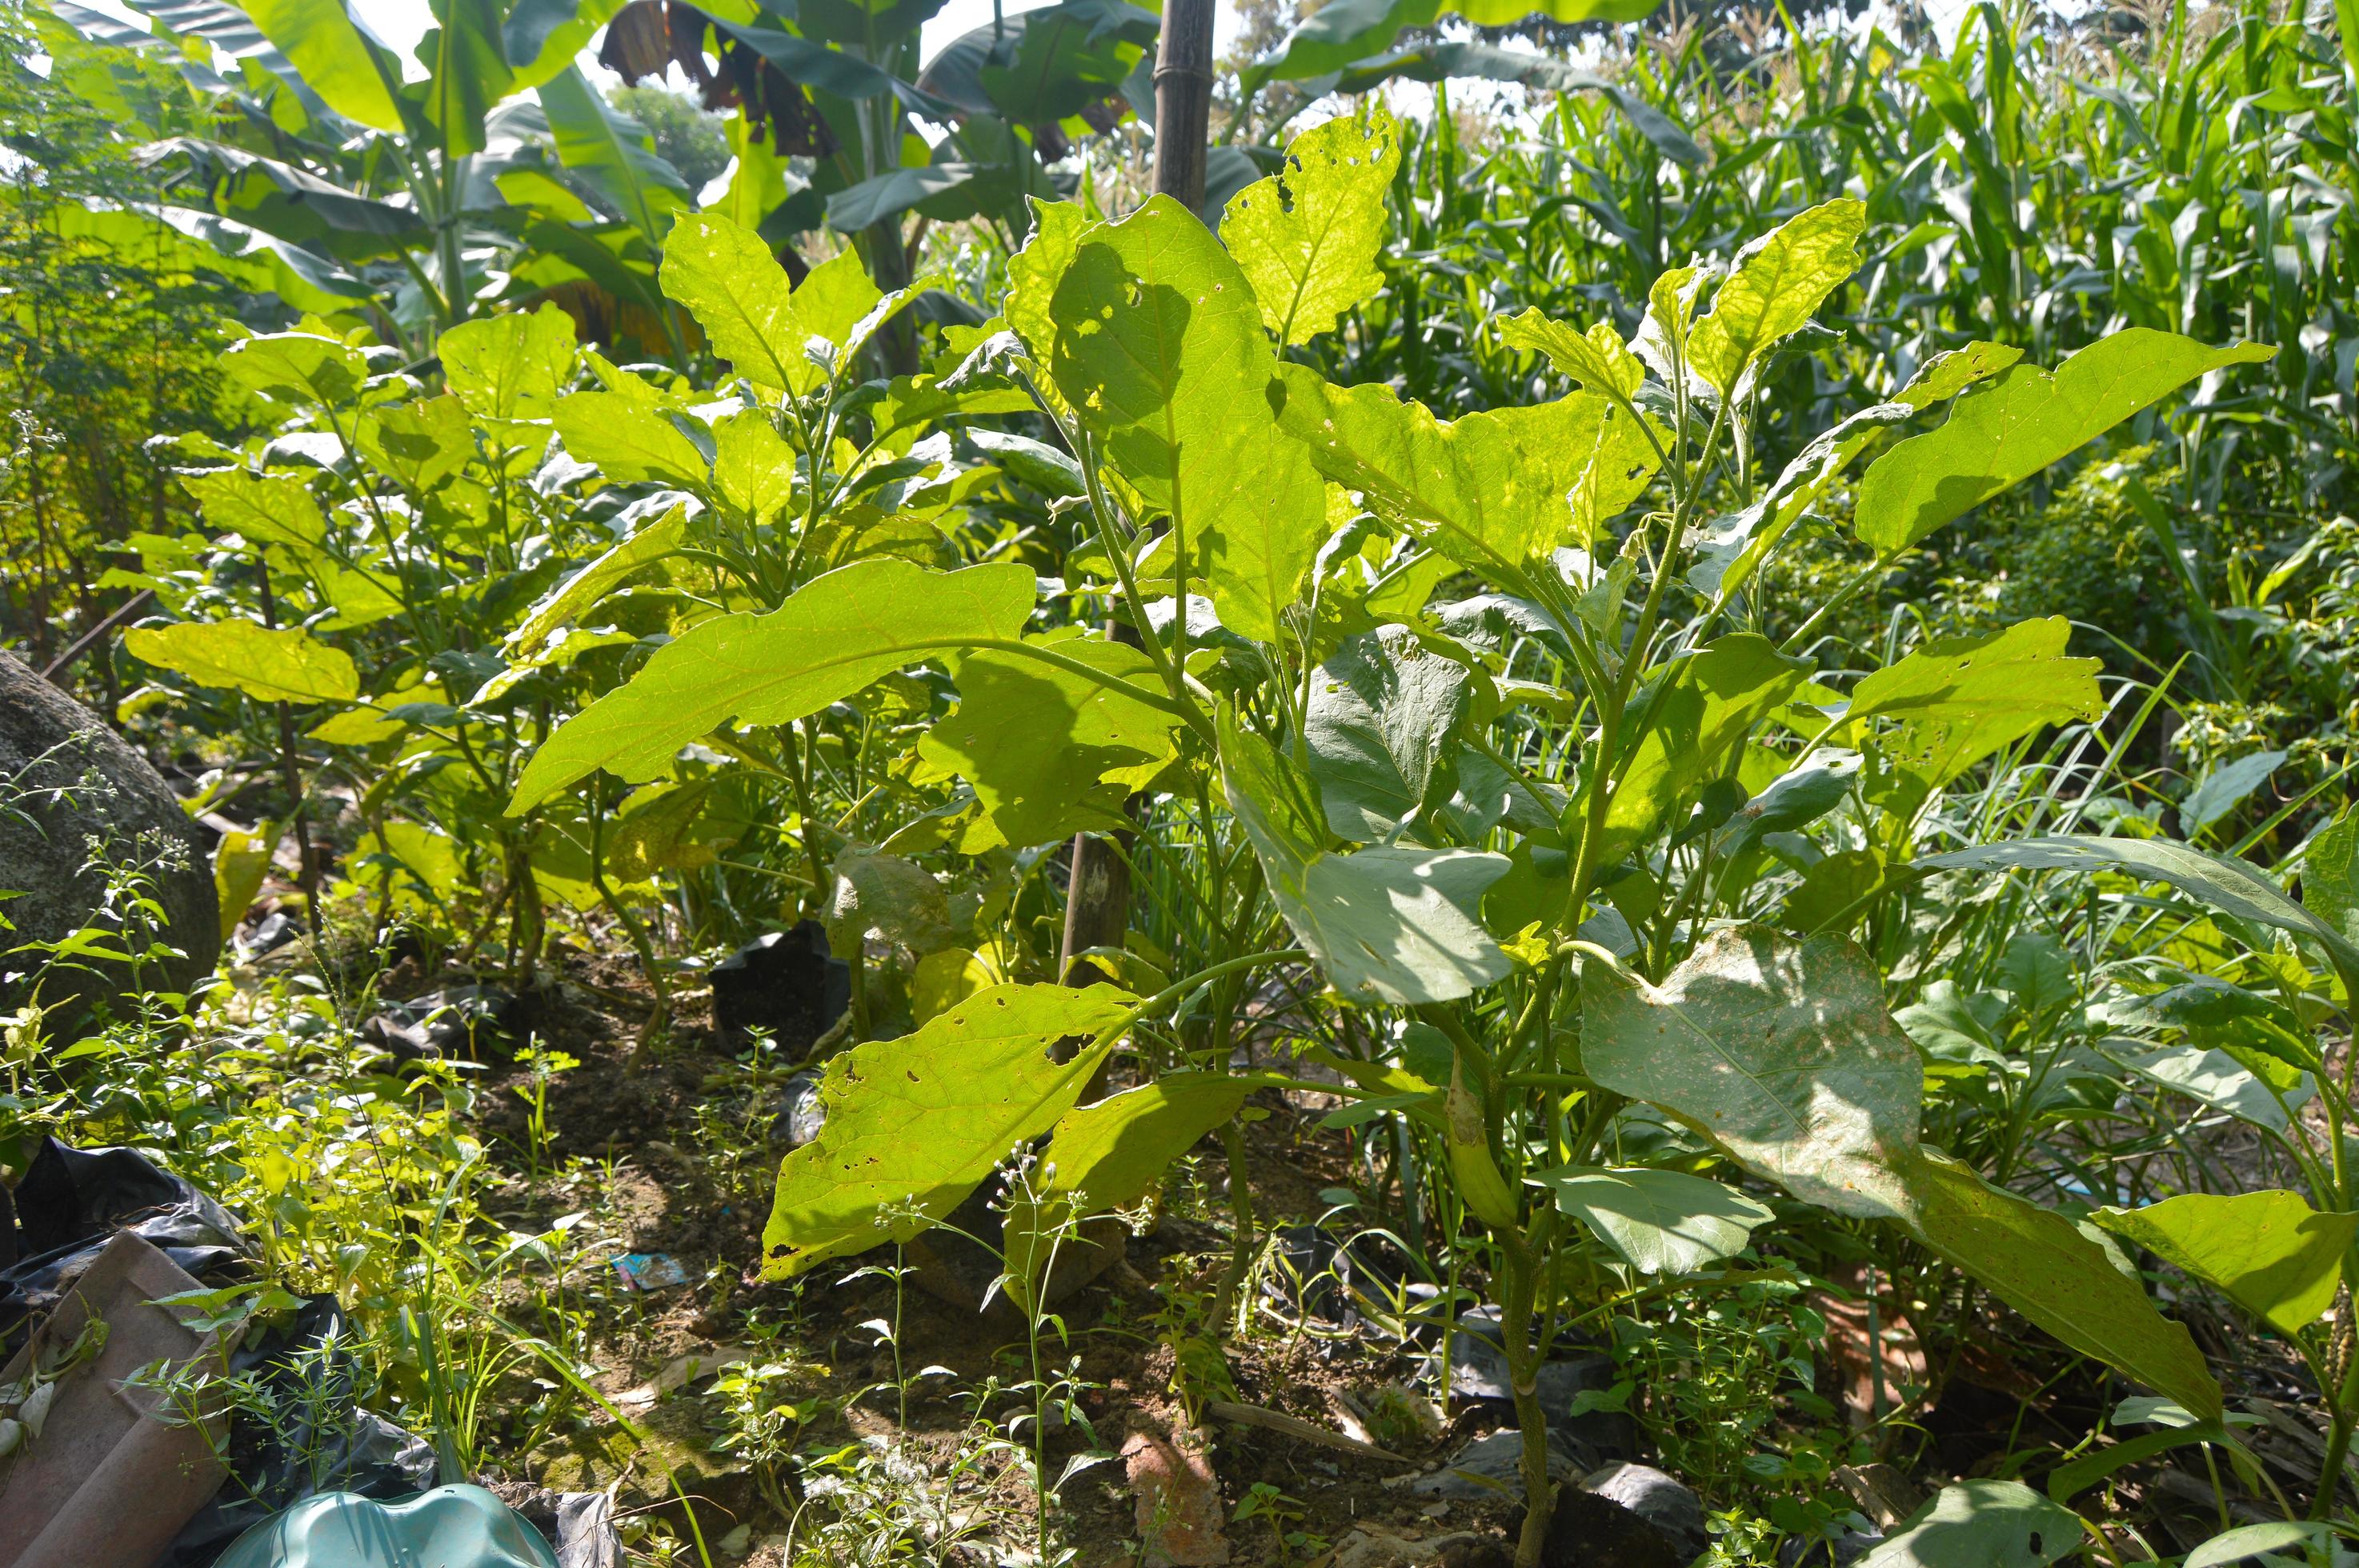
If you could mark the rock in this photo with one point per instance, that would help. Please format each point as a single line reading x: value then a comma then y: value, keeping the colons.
x: 1491, y: 1466
x: 1179, y: 1508
x: 1661, y: 1499
x: 1478, y: 1371
x: 67, y: 779
x: 272, y: 932
x: 960, y: 1263
x: 1586, y: 1531
x: 800, y: 1114
x: 1883, y: 1493
x: 1840, y: 1551
x: 719, y: 1488
x: 784, y: 984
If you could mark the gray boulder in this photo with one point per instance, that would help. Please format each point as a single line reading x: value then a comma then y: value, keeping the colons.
x: 80, y: 812
x: 1662, y: 1500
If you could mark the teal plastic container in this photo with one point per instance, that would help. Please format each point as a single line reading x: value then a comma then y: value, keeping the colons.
x: 449, y: 1526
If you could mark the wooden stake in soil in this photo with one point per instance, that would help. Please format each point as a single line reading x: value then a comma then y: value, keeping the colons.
x: 1183, y: 101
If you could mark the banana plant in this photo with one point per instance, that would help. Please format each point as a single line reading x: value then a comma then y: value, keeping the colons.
x: 838, y: 86
x: 422, y: 202
x: 1475, y: 718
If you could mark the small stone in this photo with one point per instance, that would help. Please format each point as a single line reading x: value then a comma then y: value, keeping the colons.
x: 1179, y: 1508
x: 1490, y: 1467
x: 1659, y: 1498
x: 1586, y: 1531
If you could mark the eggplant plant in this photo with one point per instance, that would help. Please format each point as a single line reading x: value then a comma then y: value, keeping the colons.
x: 423, y: 576
x: 1481, y: 721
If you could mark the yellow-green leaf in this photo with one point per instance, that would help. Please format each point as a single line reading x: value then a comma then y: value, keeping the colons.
x: 1961, y: 699
x: 586, y: 586
x: 277, y: 666
x: 1597, y: 359
x: 266, y: 509
x: 1491, y: 489
x: 727, y: 277
x: 2020, y: 422
x: 914, y: 1124
x: 837, y: 633
x: 508, y: 367
x: 1158, y: 345
x: 2271, y: 1252
x: 631, y: 442
x: 1781, y: 279
x: 1307, y: 236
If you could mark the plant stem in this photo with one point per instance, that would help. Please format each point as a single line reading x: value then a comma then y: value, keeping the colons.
x: 1225, y: 1305
x: 1519, y: 1288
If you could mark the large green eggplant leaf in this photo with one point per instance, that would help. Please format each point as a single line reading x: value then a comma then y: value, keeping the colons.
x: 1660, y: 1222
x: 1961, y: 699
x: 1597, y: 359
x: 2020, y: 422
x: 2271, y: 1252
x: 586, y: 586
x: 2330, y: 875
x: 1386, y: 925
x: 2228, y: 885
x: 630, y: 440
x: 2040, y: 1264
x: 1158, y: 343
x: 1384, y: 709
x: 269, y: 510
x: 508, y: 367
x: 298, y: 367
x: 1397, y: 925
x: 341, y: 60
x: 837, y: 633
x: 753, y: 468
x: 914, y: 1124
x: 1111, y: 1153
x: 1781, y: 280
x: 1051, y: 753
x: 1713, y: 699
x: 1793, y: 801
x: 1981, y: 1524
x: 1739, y: 543
x: 1491, y: 491
x: 281, y: 665
x: 1306, y: 237
x: 726, y: 276
x: 889, y: 897
x: 1779, y: 1048
x: 2223, y: 1082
